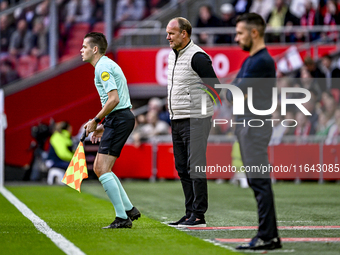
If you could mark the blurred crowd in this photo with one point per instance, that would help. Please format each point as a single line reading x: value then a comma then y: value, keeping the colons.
x: 155, y: 122
x: 25, y: 32
x: 323, y: 82
x: 277, y: 14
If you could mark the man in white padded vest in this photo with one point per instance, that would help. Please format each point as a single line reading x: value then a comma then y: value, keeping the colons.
x: 189, y: 70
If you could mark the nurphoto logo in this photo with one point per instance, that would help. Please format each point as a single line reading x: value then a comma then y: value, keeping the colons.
x: 238, y: 104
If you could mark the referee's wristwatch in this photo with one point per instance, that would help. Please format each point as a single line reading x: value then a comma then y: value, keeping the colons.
x: 97, y: 120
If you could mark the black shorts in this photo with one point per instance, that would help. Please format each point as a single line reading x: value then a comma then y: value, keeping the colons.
x: 118, y: 126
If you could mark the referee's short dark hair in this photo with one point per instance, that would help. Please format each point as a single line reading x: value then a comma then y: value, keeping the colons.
x: 184, y: 24
x: 97, y: 39
x: 253, y: 19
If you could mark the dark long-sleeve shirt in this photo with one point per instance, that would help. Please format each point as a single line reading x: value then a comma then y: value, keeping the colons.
x: 202, y: 65
x: 257, y: 72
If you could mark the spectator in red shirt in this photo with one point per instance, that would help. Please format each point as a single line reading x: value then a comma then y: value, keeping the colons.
x: 331, y: 18
x: 311, y: 18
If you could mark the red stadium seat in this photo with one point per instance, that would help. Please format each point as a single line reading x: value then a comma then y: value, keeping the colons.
x: 75, y: 39
x: 44, y: 63
x: 99, y: 27
x: 13, y: 60
x: 27, y: 65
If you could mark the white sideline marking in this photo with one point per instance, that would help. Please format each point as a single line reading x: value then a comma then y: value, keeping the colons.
x: 247, y: 251
x: 64, y: 244
x: 220, y: 245
x: 294, y: 221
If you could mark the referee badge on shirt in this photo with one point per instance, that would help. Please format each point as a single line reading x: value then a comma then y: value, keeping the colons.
x: 105, y: 76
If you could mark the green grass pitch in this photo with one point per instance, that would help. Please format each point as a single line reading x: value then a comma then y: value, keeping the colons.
x: 79, y: 218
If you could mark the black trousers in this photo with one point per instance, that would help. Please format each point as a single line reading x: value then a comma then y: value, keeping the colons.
x: 253, y: 144
x: 190, y: 137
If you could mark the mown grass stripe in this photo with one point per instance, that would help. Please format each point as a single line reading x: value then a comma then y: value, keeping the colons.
x: 65, y: 245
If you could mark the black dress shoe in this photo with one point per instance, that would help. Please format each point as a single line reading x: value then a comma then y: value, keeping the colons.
x: 258, y: 244
x: 183, y: 219
x: 193, y: 221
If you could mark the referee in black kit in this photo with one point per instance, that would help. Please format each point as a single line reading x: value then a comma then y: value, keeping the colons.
x: 257, y: 72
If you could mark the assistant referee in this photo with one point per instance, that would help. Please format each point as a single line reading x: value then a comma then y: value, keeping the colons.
x: 119, y: 123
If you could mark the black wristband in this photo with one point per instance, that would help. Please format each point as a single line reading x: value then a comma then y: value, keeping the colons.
x: 97, y: 120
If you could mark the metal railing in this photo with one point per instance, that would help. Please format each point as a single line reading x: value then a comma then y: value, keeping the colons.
x: 136, y: 37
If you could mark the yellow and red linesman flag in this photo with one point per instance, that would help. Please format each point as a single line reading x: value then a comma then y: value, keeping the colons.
x: 77, y: 169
